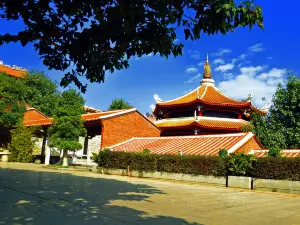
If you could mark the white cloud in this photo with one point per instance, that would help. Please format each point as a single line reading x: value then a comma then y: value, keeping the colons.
x: 250, y: 81
x: 242, y: 56
x: 194, y: 54
x: 228, y: 76
x: 273, y: 73
x: 251, y: 70
x: 219, y: 61
x: 201, y: 63
x: 223, y: 51
x: 256, y: 48
x: 224, y: 68
x: 269, y: 57
x: 176, y: 41
x: 193, y: 79
x: 191, y: 70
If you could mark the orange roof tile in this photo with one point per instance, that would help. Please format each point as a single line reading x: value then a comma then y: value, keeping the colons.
x: 30, y: 121
x: 290, y: 153
x: 102, y: 115
x: 204, y: 122
x: 189, y: 145
x: 12, y: 72
x: 210, y: 95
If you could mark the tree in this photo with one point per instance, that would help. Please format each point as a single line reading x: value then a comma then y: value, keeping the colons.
x: 22, y: 144
x: 281, y: 127
x: 40, y: 92
x: 67, y: 125
x: 12, y: 104
x: 285, y: 111
x: 98, y: 36
x: 119, y: 104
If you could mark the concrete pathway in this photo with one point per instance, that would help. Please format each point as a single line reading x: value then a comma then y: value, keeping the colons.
x: 31, y: 194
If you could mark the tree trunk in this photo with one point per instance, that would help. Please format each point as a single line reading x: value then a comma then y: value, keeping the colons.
x: 65, y: 158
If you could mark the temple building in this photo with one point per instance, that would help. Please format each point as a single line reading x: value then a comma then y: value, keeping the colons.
x: 205, y: 110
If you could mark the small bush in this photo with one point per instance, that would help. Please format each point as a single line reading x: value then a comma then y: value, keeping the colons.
x: 223, y: 153
x: 22, y: 144
x: 274, y: 152
x: 240, y: 164
x: 146, y: 151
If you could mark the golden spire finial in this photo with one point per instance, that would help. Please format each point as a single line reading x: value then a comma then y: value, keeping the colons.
x: 207, y: 70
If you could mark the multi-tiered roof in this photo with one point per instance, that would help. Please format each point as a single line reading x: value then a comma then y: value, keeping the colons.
x: 205, y: 97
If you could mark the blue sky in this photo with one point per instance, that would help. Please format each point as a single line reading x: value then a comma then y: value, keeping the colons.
x: 242, y: 62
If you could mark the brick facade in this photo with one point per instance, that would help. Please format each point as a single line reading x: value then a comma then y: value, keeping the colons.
x: 126, y: 126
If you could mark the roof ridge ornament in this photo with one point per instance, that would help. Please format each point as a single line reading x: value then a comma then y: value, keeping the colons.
x: 157, y: 98
x: 207, y: 75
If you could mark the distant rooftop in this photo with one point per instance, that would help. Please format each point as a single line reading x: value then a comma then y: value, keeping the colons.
x: 13, y: 70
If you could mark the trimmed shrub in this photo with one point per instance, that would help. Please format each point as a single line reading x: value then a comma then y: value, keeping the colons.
x: 143, y: 162
x: 277, y: 168
x: 202, y: 165
x: 188, y: 164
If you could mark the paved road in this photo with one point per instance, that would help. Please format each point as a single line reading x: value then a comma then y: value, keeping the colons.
x: 28, y: 196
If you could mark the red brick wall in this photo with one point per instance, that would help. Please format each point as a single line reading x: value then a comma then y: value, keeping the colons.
x: 33, y: 115
x: 124, y: 127
x: 248, y: 146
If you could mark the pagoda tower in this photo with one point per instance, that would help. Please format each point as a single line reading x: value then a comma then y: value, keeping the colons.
x: 205, y: 110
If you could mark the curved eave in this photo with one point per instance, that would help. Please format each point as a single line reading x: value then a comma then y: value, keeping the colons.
x: 205, y: 123
x: 205, y: 94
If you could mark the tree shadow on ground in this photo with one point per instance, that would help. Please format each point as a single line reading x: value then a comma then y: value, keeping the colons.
x: 28, y: 197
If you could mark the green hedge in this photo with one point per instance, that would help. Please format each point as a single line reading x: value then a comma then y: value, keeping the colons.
x: 201, y: 165
x: 278, y: 168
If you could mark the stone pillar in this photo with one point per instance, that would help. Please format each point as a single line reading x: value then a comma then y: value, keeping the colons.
x: 47, y: 154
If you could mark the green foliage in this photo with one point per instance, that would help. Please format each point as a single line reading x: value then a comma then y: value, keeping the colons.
x: 223, y: 153
x: 98, y: 36
x: 119, y: 104
x: 68, y: 125
x: 40, y: 92
x: 240, y: 164
x: 281, y: 127
x: 274, y: 152
x: 12, y: 104
x: 153, y: 162
x: 235, y: 164
x: 35, y: 89
x: 146, y: 151
x: 22, y: 144
x: 278, y: 168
